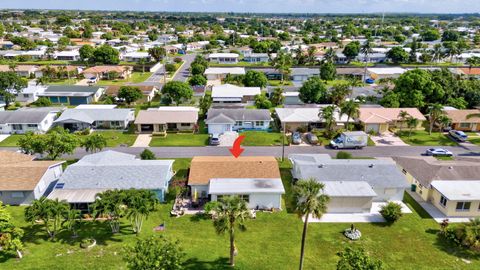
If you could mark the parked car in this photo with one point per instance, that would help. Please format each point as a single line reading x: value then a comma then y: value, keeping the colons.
x: 214, y: 139
x: 312, y: 138
x: 296, y: 138
x: 370, y: 81
x: 458, y: 135
x: 438, y: 152
x: 92, y: 80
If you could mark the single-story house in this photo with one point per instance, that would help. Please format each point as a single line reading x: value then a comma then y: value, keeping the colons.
x: 21, y: 70
x: 300, y: 75
x: 452, y: 186
x: 383, y: 73
x: 108, y: 170
x: 459, y: 120
x: 297, y: 117
x: 95, y: 117
x: 221, y: 73
x: 148, y: 91
x: 73, y: 94
x: 223, y: 58
x: 256, y: 58
x: 166, y: 118
x: 229, y: 93
x: 380, y: 120
x: 24, y: 179
x: 352, y: 184
x: 222, y: 120
x: 30, y: 93
x: 37, y: 120
x: 255, y: 179
x: 136, y: 56
x: 104, y: 72
x: 67, y: 55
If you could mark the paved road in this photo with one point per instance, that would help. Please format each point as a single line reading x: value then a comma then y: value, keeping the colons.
x: 182, y: 74
x: 375, y: 151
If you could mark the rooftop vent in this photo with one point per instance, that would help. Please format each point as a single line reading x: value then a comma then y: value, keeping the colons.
x: 371, y: 165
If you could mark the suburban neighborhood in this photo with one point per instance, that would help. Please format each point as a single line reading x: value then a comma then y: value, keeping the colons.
x: 132, y: 138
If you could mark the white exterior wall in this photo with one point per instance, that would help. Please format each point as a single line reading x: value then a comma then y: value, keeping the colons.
x: 251, y: 124
x: 349, y: 204
x: 262, y: 201
x: 219, y: 128
x: 388, y: 194
x: 50, y: 176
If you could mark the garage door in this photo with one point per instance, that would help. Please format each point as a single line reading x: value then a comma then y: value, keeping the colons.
x: 218, y: 128
x: 374, y: 127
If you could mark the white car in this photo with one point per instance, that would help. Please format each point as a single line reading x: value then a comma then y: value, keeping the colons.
x: 92, y: 80
x: 438, y: 152
x: 458, y: 135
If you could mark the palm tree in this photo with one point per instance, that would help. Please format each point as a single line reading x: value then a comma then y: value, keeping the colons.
x: 444, y: 121
x: 351, y: 109
x: 142, y: 62
x: 403, y: 115
x: 437, y: 52
x: 231, y: 212
x: 339, y: 92
x: 435, y: 111
x: 472, y: 233
x: 412, y: 123
x: 12, y: 66
x: 283, y: 62
x: 327, y: 114
x: 72, y: 217
x: 140, y: 204
x: 310, y: 200
x: 473, y: 61
x: 366, y: 49
x: 110, y: 204
x: 329, y: 55
x: 311, y: 54
x: 50, y: 212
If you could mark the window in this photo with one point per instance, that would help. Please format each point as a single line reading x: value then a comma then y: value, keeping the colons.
x: 26, y: 96
x: 463, y: 206
x: 17, y: 127
x: 185, y: 124
x: 59, y: 185
x: 1, y: 194
x: 18, y: 194
x: 464, y: 125
x: 32, y: 125
x: 258, y: 123
x: 246, y: 198
x: 238, y: 123
x: 115, y: 123
x: 443, y: 201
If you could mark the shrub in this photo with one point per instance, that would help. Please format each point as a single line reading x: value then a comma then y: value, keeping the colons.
x: 170, y: 67
x: 42, y: 102
x: 147, y: 155
x: 391, y: 211
x: 344, y: 155
x: 302, y: 129
x: 177, y: 60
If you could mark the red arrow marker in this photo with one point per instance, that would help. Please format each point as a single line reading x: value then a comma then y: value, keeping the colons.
x: 236, y: 150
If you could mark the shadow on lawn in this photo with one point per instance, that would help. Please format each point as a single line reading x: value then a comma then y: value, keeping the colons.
x: 455, y: 250
x: 195, y: 264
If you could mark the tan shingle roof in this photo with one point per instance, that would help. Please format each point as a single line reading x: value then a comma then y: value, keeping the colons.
x: 104, y: 69
x: 460, y: 116
x: 112, y: 90
x: 20, y: 173
x: 385, y: 115
x: 164, y: 117
x: 203, y: 169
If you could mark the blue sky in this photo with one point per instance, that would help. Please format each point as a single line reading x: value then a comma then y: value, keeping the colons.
x: 277, y: 6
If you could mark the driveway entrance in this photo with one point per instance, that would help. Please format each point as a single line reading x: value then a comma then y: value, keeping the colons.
x: 387, y: 139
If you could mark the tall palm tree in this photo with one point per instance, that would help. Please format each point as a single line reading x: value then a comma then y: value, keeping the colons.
x: 283, y: 62
x: 366, y: 49
x: 141, y: 203
x: 403, y: 115
x: 329, y: 55
x: 437, y: 52
x: 311, y: 54
x: 473, y: 61
x: 310, y: 200
x: 327, y: 114
x: 232, y: 211
x: 472, y: 233
x: 443, y: 121
x: 351, y: 109
x: 435, y: 111
x: 50, y: 212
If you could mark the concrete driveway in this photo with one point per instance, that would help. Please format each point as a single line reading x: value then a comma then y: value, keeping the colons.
x: 228, y: 138
x: 4, y: 136
x: 388, y: 139
x: 143, y: 140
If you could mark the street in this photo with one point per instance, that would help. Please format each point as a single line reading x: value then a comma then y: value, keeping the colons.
x: 184, y: 71
x: 188, y: 152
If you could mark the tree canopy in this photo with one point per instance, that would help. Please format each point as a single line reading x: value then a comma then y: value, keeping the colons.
x: 129, y: 94
x: 255, y: 78
x: 313, y: 91
x: 177, y: 91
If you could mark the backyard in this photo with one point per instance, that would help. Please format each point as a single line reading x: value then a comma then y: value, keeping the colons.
x: 180, y: 139
x: 271, y: 237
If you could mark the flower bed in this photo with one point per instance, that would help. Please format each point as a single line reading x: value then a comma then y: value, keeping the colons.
x: 352, y: 234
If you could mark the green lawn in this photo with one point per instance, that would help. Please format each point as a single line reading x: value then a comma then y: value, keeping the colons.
x: 181, y: 139
x: 422, y: 138
x: 64, y: 81
x: 240, y: 64
x: 271, y: 241
x: 261, y: 138
x: 11, y: 141
x: 279, y: 83
x: 137, y: 77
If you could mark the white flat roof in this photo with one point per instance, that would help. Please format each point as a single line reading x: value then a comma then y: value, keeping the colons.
x: 387, y: 71
x: 458, y: 190
x: 221, y: 186
x: 177, y: 108
x: 225, y: 70
x: 348, y: 189
x: 233, y: 91
x: 217, y: 55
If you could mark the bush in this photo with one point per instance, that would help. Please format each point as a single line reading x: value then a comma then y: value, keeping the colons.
x: 302, y: 129
x: 344, y: 155
x: 177, y: 60
x: 170, y: 67
x: 147, y: 155
x: 391, y: 211
x: 42, y: 102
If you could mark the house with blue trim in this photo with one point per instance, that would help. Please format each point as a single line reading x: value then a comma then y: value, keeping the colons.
x: 109, y: 170
x: 73, y: 94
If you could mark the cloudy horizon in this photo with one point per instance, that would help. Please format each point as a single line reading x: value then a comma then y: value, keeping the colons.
x: 256, y: 6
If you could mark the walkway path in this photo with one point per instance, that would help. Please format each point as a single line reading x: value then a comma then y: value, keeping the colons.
x: 436, y: 214
x: 143, y: 140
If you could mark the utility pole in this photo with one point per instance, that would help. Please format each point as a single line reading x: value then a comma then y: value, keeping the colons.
x: 283, y: 143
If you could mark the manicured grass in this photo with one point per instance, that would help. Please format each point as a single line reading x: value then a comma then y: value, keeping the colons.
x: 240, y: 64
x: 262, y: 138
x: 64, y: 81
x: 11, y: 141
x: 181, y: 139
x: 279, y: 83
x: 116, y: 138
x: 137, y: 77
x: 422, y: 138
x: 271, y: 241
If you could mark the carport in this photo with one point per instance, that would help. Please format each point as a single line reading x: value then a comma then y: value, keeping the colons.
x: 349, y: 196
